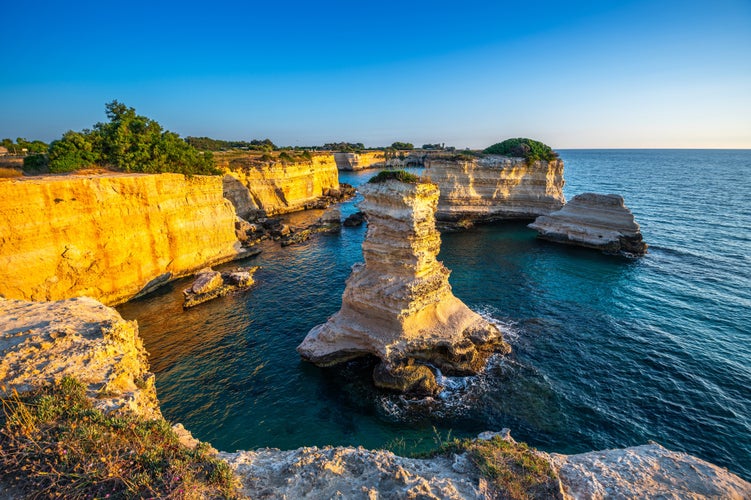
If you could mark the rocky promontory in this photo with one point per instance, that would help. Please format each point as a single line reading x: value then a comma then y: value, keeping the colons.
x: 398, y: 305
x: 83, y: 339
x: 110, y: 236
x: 359, y: 161
x: 488, y: 187
x: 600, y: 221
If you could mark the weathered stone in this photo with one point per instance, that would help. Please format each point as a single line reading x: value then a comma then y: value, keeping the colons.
x: 210, y: 285
x: 42, y: 342
x: 359, y: 161
x: 398, y: 305
x: 206, y: 281
x: 355, y: 219
x: 492, y: 187
x: 110, y: 236
x: 407, y: 377
x: 600, y: 221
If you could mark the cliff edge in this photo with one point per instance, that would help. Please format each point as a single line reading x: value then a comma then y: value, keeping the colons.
x: 110, y: 236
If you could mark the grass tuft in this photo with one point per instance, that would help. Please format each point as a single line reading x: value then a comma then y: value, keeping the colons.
x: 513, y: 470
x: 54, y: 443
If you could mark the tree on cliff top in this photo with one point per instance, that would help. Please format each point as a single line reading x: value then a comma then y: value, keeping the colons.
x: 522, y: 147
x: 128, y: 142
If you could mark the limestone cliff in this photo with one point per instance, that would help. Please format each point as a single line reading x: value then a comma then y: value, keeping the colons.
x: 41, y: 342
x: 360, y: 161
x: 398, y: 306
x: 491, y: 187
x: 600, y: 221
x: 109, y: 236
x: 276, y: 188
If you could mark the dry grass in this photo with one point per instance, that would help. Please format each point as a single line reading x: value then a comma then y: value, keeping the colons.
x: 513, y: 470
x: 53, y: 443
x: 9, y: 172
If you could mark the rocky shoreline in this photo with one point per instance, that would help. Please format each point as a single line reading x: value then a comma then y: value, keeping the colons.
x: 80, y: 337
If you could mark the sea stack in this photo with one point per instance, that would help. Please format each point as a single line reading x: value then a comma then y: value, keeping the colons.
x: 489, y: 187
x: 398, y: 305
x: 600, y: 221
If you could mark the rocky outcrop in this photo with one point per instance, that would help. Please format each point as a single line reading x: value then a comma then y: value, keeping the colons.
x: 490, y: 187
x: 210, y: 284
x: 262, y: 190
x: 42, y: 342
x: 359, y: 161
x: 45, y: 341
x: 110, y: 236
x: 600, y: 221
x: 648, y: 471
x: 398, y: 305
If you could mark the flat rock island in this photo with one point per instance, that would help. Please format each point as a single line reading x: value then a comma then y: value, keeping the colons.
x: 600, y: 221
x: 398, y: 305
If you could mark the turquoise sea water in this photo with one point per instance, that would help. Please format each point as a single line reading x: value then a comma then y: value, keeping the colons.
x: 608, y: 352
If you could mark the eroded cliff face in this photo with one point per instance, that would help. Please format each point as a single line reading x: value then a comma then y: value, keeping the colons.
x: 110, y: 236
x: 277, y: 188
x: 600, y: 221
x: 360, y: 161
x: 491, y: 187
x: 42, y: 342
x: 398, y: 305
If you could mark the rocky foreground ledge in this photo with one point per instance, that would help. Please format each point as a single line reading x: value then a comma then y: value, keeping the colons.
x: 43, y: 341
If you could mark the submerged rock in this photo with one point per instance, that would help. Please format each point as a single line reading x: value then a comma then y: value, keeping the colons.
x: 398, y: 305
x: 600, y: 221
x: 210, y: 284
x: 355, y: 219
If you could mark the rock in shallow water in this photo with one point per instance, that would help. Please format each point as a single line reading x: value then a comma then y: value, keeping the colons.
x: 600, y: 221
x: 399, y: 306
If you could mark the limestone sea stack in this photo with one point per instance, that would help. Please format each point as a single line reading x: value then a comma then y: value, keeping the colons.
x: 398, y: 305
x: 600, y: 221
x: 488, y: 188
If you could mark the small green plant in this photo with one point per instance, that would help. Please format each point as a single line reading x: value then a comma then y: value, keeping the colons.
x: 54, y: 443
x: 513, y: 470
x: 522, y: 147
x: 399, y: 175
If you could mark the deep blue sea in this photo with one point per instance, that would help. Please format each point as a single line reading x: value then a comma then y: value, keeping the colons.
x: 607, y: 351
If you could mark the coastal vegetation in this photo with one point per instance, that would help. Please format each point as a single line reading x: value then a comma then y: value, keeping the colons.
x: 522, y: 147
x: 399, y: 175
x: 512, y: 469
x: 23, y: 146
x: 128, y: 142
x: 53, y: 442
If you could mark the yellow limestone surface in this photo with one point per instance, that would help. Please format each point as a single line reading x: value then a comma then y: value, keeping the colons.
x: 109, y: 236
x: 278, y: 187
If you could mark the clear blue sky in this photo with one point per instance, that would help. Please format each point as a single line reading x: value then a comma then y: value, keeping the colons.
x: 572, y: 73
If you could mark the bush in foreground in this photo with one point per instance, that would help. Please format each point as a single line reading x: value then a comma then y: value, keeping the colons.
x: 54, y: 443
x: 522, y: 147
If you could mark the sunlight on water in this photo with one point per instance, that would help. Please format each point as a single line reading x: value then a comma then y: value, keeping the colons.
x: 607, y: 351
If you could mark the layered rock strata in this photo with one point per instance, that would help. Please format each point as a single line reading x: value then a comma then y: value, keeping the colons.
x: 42, y: 342
x: 491, y: 187
x: 359, y: 161
x: 110, y: 236
x: 600, y: 221
x: 278, y: 188
x: 398, y: 305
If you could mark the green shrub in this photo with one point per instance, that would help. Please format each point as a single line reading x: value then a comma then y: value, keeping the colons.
x: 35, y: 163
x: 522, y: 147
x: 399, y: 175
